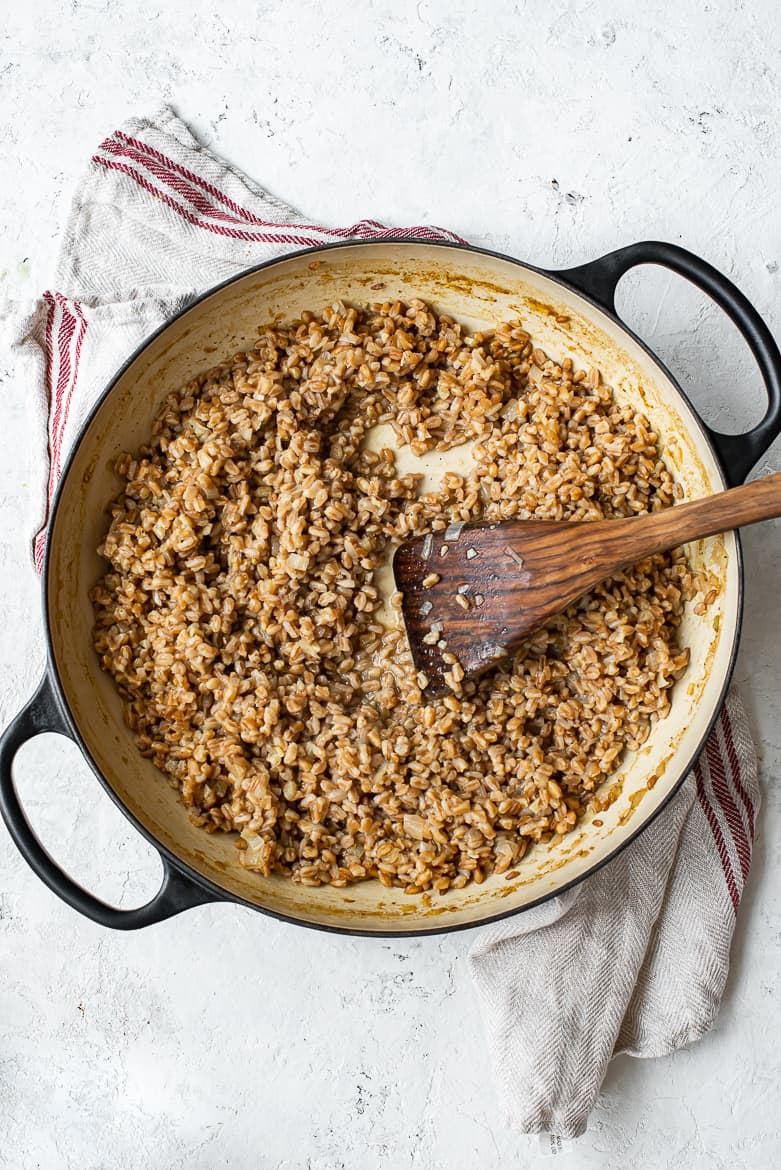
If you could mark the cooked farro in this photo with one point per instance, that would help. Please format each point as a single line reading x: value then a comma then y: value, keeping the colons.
x: 242, y: 623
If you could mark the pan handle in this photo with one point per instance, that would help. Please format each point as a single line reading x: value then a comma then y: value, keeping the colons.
x: 176, y: 892
x: 599, y: 279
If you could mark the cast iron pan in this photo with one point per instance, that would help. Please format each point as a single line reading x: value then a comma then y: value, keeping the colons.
x: 181, y: 888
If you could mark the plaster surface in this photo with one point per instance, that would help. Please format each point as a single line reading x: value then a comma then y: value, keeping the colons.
x: 552, y: 130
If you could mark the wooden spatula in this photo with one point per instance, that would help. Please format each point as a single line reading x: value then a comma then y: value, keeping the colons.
x: 475, y: 591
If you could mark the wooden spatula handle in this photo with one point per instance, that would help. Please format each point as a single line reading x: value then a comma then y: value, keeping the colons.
x: 623, y: 542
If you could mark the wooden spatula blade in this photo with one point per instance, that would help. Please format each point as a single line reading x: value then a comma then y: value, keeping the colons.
x: 468, y: 592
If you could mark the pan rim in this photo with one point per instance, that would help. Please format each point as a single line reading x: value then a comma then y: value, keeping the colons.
x: 167, y: 855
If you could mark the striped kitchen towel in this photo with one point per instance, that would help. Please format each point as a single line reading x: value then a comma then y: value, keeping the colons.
x: 633, y: 960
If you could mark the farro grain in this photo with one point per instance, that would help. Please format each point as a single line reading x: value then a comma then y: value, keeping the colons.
x: 241, y: 622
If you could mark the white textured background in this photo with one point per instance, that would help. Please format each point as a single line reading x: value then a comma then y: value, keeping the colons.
x: 221, y: 1038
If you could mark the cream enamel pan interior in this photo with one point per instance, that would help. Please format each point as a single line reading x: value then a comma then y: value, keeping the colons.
x: 478, y: 289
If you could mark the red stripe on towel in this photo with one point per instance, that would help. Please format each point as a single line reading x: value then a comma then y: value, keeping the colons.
x: 718, y: 777
x: 737, y: 778
x: 715, y: 829
x: 62, y: 367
